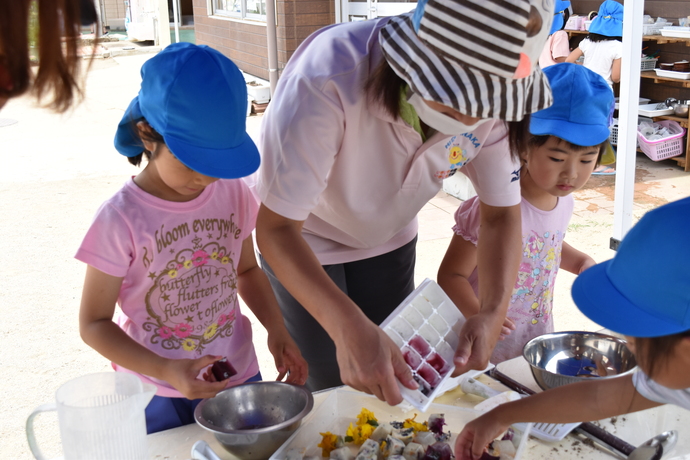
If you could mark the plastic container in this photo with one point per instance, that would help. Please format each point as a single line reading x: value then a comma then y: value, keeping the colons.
x: 675, y: 31
x: 663, y: 148
x: 653, y: 110
x: 613, y: 137
x: 641, y: 101
x: 343, y: 405
x: 655, y: 28
x: 648, y: 64
x: 673, y: 74
x: 425, y: 326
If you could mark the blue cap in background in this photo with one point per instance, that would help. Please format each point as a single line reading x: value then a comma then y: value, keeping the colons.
x: 644, y: 291
x: 609, y: 20
x: 558, y: 22
x: 582, y: 102
x: 196, y: 98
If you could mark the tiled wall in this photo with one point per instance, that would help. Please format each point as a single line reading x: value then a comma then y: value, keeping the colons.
x: 245, y: 41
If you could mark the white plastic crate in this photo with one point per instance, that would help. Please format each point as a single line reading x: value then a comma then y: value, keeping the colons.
x: 613, y: 137
x: 648, y: 64
x: 654, y: 29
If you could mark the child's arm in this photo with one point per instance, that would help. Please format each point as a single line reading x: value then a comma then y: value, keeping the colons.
x: 574, y: 55
x: 575, y: 261
x: 616, y: 71
x: 582, y: 401
x: 257, y: 293
x: 98, y: 330
x: 453, y: 275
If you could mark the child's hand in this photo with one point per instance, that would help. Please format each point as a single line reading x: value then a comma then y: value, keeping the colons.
x: 476, y: 435
x: 182, y: 375
x: 507, y: 328
x: 288, y: 359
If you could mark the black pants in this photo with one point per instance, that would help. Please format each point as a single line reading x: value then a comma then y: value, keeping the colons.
x: 377, y: 285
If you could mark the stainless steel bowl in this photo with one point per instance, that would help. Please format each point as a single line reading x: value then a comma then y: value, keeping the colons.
x: 251, y: 421
x: 561, y: 358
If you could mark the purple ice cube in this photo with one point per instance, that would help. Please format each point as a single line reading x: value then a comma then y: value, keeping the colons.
x: 412, y: 358
x: 423, y: 386
x: 420, y: 345
x: 429, y: 374
x: 438, y: 363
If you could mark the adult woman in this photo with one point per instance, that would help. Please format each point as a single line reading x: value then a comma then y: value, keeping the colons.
x: 59, y: 28
x: 356, y: 141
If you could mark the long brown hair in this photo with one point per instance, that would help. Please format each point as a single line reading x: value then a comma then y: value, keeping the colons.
x: 384, y: 87
x: 58, y: 42
x: 654, y: 353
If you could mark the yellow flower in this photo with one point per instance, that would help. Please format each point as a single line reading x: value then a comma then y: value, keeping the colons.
x: 416, y: 426
x: 329, y: 442
x: 366, y: 416
x: 189, y: 344
x: 188, y: 264
x: 214, y: 255
x: 359, y: 433
x: 172, y: 273
x: 225, y: 260
x: 210, y: 331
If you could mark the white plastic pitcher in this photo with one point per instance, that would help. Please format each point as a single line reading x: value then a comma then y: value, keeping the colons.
x: 101, y: 416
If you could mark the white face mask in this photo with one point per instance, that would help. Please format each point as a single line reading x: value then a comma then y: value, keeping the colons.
x: 438, y: 121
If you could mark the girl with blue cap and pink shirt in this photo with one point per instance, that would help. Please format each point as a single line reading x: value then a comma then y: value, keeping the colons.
x: 642, y: 293
x: 557, y: 47
x: 566, y: 143
x: 173, y: 248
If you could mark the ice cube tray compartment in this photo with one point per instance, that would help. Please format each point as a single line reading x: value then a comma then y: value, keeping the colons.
x: 426, y: 325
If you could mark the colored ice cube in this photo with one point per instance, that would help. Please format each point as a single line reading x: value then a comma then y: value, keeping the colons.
x: 412, y: 358
x: 423, y: 385
x: 438, y: 323
x: 437, y: 362
x: 429, y: 374
x: 420, y: 345
x: 412, y: 316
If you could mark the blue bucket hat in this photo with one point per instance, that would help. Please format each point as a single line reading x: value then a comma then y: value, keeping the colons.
x: 582, y: 102
x: 644, y: 291
x: 196, y: 98
x: 558, y: 21
x: 609, y: 20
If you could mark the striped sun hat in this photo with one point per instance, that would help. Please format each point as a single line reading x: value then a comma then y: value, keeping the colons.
x: 477, y: 56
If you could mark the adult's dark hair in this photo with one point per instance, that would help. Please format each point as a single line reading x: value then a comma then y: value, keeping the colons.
x: 602, y: 38
x: 55, y: 26
x: 384, y: 87
x: 538, y: 141
x: 148, y: 134
x: 654, y: 353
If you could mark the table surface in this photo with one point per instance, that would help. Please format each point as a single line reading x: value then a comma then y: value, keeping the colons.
x: 635, y: 428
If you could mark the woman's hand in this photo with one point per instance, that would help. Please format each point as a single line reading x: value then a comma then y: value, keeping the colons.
x: 288, y: 359
x: 182, y: 374
x: 477, y: 435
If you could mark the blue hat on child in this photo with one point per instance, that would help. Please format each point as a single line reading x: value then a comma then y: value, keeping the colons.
x: 582, y: 102
x: 644, y: 291
x: 558, y: 21
x: 609, y: 20
x: 196, y: 98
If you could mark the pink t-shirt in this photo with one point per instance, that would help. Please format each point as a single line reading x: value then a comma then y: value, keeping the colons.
x: 339, y: 162
x: 542, y: 240
x: 556, y: 46
x: 179, y: 263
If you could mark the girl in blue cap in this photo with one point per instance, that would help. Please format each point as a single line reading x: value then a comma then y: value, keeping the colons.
x: 173, y: 248
x: 567, y: 141
x: 653, y: 312
x: 557, y: 47
x: 603, y: 51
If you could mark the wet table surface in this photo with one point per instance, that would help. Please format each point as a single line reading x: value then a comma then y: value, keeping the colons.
x: 633, y: 428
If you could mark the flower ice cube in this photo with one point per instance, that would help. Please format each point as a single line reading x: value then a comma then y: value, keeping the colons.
x: 437, y: 362
x: 420, y: 345
x: 429, y: 374
x: 412, y: 358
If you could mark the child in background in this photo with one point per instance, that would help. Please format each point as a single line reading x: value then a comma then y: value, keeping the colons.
x: 557, y: 46
x: 567, y: 140
x: 173, y: 248
x: 603, y: 50
x: 654, y: 314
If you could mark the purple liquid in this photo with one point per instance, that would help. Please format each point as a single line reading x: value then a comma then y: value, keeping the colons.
x: 412, y: 358
x: 437, y: 362
x: 429, y: 374
x: 420, y: 345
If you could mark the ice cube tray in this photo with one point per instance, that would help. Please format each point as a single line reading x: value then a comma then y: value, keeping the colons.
x: 425, y: 326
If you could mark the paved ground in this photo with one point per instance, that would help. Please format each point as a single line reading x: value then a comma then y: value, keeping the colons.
x: 57, y: 170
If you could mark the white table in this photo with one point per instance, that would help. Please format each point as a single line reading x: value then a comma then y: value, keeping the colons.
x: 176, y: 444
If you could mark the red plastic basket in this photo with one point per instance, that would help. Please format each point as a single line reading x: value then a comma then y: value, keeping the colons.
x: 663, y: 148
